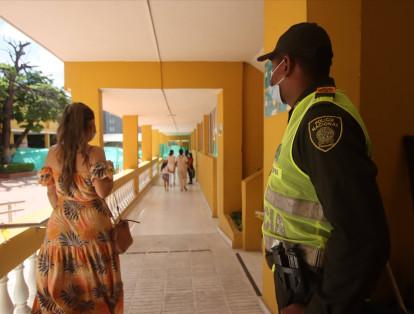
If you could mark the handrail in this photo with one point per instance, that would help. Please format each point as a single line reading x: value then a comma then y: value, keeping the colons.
x: 144, y: 166
x: 11, y: 203
x: 123, y: 177
x: 253, y: 176
x: 11, y: 211
x: 24, y: 224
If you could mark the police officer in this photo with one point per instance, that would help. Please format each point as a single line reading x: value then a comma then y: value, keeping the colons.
x: 325, y: 231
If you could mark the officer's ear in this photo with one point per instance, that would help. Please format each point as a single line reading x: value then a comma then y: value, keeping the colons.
x: 288, y: 65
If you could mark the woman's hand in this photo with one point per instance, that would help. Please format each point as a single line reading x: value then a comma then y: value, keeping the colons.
x: 293, y: 309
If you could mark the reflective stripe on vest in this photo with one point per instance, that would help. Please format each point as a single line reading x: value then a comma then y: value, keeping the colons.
x: 302, y: 208
x: 293, y: 213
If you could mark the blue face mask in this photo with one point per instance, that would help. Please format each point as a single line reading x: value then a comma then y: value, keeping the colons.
x: 276, y: 88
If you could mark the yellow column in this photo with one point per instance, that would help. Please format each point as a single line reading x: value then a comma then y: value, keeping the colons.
x: 130, y: 145
x: 206, y: 134
x: 155, y: 143
x: 93, y: 98
x: 47, y: 140
x: 11, y: 138
x: 146, y: 142
x: 130, y: 141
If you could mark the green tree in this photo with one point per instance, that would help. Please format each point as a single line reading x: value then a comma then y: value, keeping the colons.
x: 27, y: 96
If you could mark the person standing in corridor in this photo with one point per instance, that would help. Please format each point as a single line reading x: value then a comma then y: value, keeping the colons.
x: 182, y: 164
x: 78, y: 270
x: 191, y: 170
x: 325, y: 230
x: 171, y: 164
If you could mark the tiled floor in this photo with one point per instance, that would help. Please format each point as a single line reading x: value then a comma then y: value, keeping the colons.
x: 179, y: 263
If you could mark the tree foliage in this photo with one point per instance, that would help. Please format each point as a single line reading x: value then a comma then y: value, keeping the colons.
x: 27, y: 96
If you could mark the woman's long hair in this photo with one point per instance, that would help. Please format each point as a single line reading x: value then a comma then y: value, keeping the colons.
x: 73, y: 134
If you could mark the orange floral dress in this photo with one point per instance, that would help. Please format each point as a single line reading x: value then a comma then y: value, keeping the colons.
x: 77, y: 268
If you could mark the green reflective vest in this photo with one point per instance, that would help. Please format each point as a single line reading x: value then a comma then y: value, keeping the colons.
x: 292, y: 211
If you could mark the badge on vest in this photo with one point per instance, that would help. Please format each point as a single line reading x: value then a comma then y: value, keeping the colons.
x: 325, y: 132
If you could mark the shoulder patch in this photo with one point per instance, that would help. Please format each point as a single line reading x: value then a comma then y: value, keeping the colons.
x: 325, y: 132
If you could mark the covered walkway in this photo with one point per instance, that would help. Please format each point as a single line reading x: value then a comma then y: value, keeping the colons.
x: 179, y: 263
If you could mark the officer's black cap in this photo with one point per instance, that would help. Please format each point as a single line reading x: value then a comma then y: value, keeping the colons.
x: 307, y: 40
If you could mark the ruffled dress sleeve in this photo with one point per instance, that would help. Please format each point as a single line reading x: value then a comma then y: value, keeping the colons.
x: 102, y: 170
x: 46, y: 176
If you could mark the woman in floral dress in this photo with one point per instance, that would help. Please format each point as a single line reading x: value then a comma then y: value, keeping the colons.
x: 77, y: 268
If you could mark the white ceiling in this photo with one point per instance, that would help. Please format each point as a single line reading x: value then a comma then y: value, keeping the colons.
x: 187, y: 105
x: 122, y: 30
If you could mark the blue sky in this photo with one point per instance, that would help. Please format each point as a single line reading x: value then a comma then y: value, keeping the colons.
x: 36, y: 55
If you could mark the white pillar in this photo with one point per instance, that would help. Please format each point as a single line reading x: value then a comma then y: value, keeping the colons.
x: 6, y: 305
x: 21, y: 292
x: 31, y: 278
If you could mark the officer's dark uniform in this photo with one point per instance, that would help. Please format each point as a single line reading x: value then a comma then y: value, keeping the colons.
x: 345, y: 181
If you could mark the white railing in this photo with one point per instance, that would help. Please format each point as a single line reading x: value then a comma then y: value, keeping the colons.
x: 121, y: 197
x: 144, y: 178
x: 10, y: 210
x: 18, y: 288
x: 154, y: 168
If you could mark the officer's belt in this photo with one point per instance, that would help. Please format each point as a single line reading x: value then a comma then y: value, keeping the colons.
x: 312, y: 256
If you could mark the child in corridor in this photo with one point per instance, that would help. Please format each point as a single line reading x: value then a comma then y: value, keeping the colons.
x: 182, y: 162
x: 165, y: 174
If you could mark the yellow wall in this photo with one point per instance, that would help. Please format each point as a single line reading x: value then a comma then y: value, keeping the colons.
x: 163, y: 138
x: 200, y: 136
x: 207, y: 178
x: 220, y: 160
x: 387, y: 69
x: 206, y: 134
x: 85, y: 79
x: 342, y: 20
x: 192, y: 141
x: 252, y: 120
x: 278, y: 17
x: 196, y: 139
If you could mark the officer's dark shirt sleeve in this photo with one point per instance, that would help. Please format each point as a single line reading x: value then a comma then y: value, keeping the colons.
x: 345, y: 182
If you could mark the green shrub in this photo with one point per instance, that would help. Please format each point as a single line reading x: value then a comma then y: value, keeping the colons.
x: 237, y: 219
x: 16, y: 167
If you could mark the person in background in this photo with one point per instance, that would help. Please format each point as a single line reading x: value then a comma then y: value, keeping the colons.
x: 190, y: 167
x: 171, y: 166
x: 165, y: 174
x: 78, y: 270
x: 182, y: 165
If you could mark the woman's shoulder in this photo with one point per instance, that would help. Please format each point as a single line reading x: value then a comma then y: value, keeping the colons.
x: 96, y: 152
x: 52, y: 157
x: 96, y: 155
x: 53, y: 150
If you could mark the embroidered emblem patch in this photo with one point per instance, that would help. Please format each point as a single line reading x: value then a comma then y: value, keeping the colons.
x: 325, y: 132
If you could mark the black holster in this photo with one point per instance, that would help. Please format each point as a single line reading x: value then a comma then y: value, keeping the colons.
x: 290, y: 275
